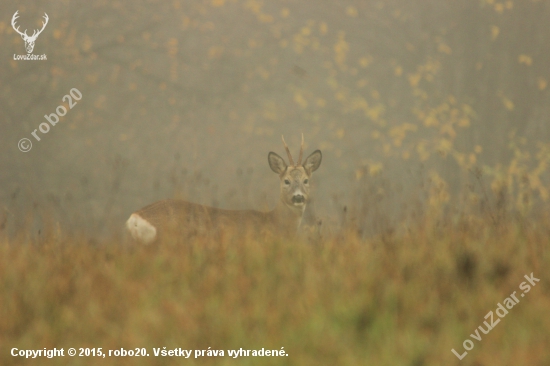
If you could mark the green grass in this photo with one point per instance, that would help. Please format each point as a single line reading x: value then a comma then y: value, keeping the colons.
x: 392, y: 300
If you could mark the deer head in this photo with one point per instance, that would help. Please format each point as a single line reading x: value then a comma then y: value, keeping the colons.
x: 29, y: 40
x: 295, y: 177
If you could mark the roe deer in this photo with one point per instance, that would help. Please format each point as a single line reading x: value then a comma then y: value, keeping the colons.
x: 181, y: 218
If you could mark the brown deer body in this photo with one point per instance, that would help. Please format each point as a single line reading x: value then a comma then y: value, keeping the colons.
x: 180, y: 218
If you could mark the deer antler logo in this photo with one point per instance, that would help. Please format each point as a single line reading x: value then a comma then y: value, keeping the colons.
x: 29, y: 40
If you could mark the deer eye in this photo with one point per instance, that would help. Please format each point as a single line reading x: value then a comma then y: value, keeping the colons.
x: 306, y: 181
x: 287, y: 182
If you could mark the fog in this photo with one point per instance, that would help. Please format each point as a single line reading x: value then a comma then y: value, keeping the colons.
x: 185, y: 99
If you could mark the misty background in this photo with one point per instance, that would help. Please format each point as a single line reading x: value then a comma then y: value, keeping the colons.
x: 185, y: 99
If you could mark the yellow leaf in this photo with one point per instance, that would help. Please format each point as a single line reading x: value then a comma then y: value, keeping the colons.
x: 543, y: 193
x: 423, y: 154
x: 375, y: 168
x: 92, y: 79
x: 341, y: 48
x: 494, y: 32
x: 215, y: 52
x: 374, y: 113
x: 444, y: 48
x: 263, y: 73
x: 323, y: 28
x: 285, y: 12
x: 362, y: 83
x: 449, y: 130
x: 508, y: 104
x: 185, y: 22
x: 265, y: 18
x: 340, y: 96
x: 351, y: 11
x: 525, y: 59
x: 300, y: 100
x: 365, y: 61
x: 208, y: 26
x: 86, y: 43
x: 414, y: 79
x: 542, y: 83
x: 431, y: 121
x: 464, y: 122
x: 445, y: 145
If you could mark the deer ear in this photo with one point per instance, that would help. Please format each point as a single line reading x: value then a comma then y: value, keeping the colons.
x: 313, y: 161
x: 276, y: 163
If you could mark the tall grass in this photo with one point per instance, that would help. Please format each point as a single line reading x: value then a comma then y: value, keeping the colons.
x: 343, y: 300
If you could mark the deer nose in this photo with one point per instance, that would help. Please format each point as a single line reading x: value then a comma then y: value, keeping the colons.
x: 298, y: 198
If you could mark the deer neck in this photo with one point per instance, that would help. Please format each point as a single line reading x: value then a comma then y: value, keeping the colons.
x: 288, y: 216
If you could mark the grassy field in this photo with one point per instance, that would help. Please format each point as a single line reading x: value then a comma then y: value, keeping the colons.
x: 403, y: 299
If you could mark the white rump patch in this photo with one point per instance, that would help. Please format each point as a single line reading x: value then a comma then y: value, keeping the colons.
x: 140, y: 229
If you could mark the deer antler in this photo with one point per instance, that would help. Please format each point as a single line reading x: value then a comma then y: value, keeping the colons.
x: 36, y: 32
x: 43, y: 26
x: 301, y: 151
x: 13, y: 19
x: 290, y: 160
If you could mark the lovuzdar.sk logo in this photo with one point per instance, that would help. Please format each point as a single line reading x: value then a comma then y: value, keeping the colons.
x: 29, y: 40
